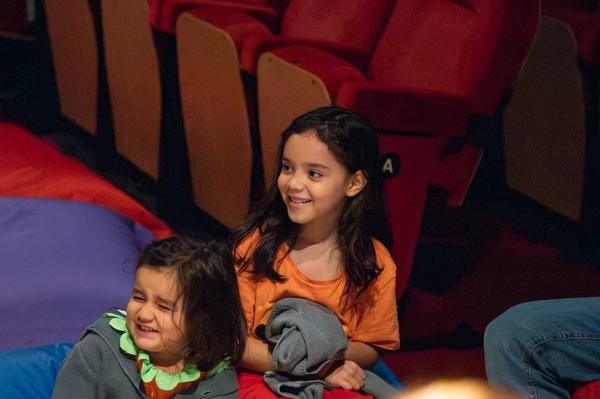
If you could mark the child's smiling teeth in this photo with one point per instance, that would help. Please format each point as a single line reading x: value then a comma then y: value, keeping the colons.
x: 299, y: 200
x: 144, y: 328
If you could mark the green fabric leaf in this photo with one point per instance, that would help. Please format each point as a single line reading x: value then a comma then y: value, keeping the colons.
x: 190, y: 373
x: 126, y: 344
x: 119, y: 324
x: 167, y: 381
x: 148, y: 371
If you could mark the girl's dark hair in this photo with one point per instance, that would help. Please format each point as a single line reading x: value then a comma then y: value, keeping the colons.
x: 215, y: 328
x: 351, y: 138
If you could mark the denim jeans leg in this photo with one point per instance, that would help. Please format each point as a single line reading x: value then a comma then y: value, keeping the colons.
x: 542, y: 348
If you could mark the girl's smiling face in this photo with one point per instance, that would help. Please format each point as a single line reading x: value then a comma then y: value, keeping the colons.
x: 313, y: 184
x: 155, y: 316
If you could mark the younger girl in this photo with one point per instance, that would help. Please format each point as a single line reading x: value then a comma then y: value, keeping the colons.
x: 183, y: 331
x: 318, y: 235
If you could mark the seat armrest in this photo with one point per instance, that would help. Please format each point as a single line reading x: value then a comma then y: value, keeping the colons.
x: 254, y: 47
x: 165, y: 20
x: 249, y: 8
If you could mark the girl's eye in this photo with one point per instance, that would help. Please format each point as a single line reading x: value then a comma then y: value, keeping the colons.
x: 314, y: 174
x: 165, y: 307
x: 285, y: 167
x: 138, y: 298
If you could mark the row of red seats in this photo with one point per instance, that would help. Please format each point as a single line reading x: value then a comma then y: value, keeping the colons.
x: 421, y: 71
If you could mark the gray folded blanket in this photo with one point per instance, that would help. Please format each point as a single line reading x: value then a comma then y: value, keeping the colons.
x: 307, y: 338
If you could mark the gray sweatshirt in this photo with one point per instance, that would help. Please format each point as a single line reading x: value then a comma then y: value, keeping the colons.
x: 97, y: 368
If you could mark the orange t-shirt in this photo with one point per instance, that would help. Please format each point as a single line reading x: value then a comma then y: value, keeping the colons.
x: 372, y: 320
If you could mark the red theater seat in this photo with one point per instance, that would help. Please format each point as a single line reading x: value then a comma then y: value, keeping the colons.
x: 218, y: 101
x: 13, y: 15
x: 588, y: 391
x: 164, y: 13
x: 583, y: 17
x: 436, y: 65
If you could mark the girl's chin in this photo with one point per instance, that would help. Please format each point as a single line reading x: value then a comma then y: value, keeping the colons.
x: 145, y: 344
x: 297, y: 220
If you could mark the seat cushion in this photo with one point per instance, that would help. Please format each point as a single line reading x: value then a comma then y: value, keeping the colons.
x: 333, y: 71
x: 238, y: 24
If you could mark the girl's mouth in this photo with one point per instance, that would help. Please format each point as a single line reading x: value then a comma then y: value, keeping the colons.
x: 145, y: 328
x: 298, y: 201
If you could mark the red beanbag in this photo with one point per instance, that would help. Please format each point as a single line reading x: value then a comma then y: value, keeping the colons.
x: 30, y: 167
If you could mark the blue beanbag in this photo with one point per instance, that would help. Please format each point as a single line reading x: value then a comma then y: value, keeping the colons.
x: 382, y: 370
x: 30, y: 372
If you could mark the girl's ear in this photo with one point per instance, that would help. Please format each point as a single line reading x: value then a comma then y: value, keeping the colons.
x: 358, y: 181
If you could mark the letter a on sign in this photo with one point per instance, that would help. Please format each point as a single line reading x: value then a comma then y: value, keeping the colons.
x: 390, y: 165
x: 388, y: 168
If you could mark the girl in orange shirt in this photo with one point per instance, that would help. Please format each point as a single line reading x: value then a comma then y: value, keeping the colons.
x: 318, y: 234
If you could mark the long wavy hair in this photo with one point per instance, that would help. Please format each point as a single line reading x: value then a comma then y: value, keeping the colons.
x: 351, y: 138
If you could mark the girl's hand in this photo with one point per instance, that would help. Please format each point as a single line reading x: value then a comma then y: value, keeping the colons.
x: 347, y: 375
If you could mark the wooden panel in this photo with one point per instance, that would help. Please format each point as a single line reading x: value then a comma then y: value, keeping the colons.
x: 75, y: 59
x: 133, y: 81
x: 215, y: 119
x: 544, y: 123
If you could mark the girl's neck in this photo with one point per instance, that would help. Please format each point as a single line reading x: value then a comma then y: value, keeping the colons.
x: 168, y: 363
x: 317, y: 255
x: 316, y: 235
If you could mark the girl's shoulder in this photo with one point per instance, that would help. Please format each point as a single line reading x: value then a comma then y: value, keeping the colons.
x: 247, y: 244
x: 382, y: 255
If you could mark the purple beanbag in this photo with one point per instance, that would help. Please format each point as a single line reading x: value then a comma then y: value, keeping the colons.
x: 62, y: 264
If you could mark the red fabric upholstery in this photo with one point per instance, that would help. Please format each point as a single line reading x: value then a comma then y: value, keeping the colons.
x: 238, y: 24
x: 406, y: 192
x: 406, y: 109
x: 440, y: 45
x: 252, y: 386
x: 517, y: 32
x: 164, y: 13
x: 13, y: 15
x: 332, y: 70
x: 353, y: 26
x: 31, y: 167
x: 583, y: 20
x: 349, y: 28
x: 458, y: 55
x: 588, y: 391
x: 254, y: 47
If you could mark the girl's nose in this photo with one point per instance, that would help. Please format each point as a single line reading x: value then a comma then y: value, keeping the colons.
x: 145, y: 312
x: 295, y: 183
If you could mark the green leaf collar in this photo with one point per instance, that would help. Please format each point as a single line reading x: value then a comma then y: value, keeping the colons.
x: 164, y: 380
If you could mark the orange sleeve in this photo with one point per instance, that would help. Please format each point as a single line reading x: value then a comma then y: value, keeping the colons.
x: 246, y: 280
x: 377, y: 314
